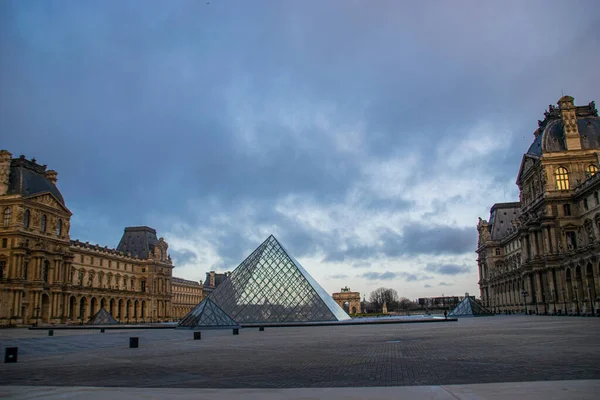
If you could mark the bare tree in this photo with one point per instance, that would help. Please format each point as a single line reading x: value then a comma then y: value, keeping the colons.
x: 383, y: 295
x: 405, y: 304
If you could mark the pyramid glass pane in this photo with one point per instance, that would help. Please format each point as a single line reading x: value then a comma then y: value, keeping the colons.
x: 102, y: 317
x: 207, y: 315
x: 271, y: 286
x: 469, y: 307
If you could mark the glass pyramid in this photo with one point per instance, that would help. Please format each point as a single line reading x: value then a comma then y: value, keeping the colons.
x: 207, y: 315
x: 469, y: 307
x: 270, y: 286
x: 102, y: 317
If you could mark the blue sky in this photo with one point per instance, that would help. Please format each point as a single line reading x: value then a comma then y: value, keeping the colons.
x: 366, y: 136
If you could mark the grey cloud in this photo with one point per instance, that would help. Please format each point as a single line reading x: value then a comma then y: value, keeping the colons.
x: 379, y: 276
x: 408, y: 277
x: 182, y: 257
x: 447, y: 269
x: 427, y: 286
x: 445, y: 284
x: 139, y: 106
x: 338, y: 276
x: 423, y: 239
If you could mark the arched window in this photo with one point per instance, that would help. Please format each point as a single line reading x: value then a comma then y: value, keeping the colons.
x: 26, y: 218
x: 7, y: 215
x: 591, y: 170
x: 59, y: 227
x: 43, y: 223
x: 562, y: 178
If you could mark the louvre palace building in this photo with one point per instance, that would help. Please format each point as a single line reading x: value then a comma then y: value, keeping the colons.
x: 46, y: 277
x: 542, y: 254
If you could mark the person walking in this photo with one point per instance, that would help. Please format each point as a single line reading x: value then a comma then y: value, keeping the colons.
x: 445, y: 314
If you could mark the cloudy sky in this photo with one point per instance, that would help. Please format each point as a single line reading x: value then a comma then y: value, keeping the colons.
x: 367, y: 136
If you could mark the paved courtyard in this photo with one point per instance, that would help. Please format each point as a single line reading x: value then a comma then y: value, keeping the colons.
x: 476, y: 350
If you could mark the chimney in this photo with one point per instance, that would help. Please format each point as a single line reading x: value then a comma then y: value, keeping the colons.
x: 51, y: 175
x: 5, y: 157
x: 212, y: 278
x: 569, y: 118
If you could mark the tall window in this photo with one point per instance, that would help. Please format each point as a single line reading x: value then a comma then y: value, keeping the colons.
x: 44, y: 223
x: 45, y: 271
x: 591, y: 170
x: 4, y: 243
x: 567, y: 209
x: 562, y: 178
x: 571, y: 240
x: 585, y: 203
x: 26, y: 218
x: 59, y: 227
x: 25, y: 266
x: 143, y: 283
x: 596, y: 198
x: 7, y: 214
x: 2, y: 268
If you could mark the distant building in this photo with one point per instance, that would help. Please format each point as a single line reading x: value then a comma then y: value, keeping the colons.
x: 213, y: 279
x: 348, y: 300
x: 541, y: 254
x: 439, y: 302
x: 186, y: 295
x: 47, y: 277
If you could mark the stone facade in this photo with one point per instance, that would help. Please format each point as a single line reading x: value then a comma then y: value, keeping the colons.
x: 542, y: 254
x: 186, y: 295
x: 349, y: 301
x: 46, y: 277
x: 213, y: 279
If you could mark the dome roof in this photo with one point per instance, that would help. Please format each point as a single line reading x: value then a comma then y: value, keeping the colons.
x: 28, y: 178
x: 550, y: 137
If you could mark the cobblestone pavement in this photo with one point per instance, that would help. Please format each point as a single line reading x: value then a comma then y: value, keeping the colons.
x: 476, y: 350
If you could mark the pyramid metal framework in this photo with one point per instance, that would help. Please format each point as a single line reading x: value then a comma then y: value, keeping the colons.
x: 271, y: 286
x: 102, y: 317
x: 207, y: 315
x: 469, y: 307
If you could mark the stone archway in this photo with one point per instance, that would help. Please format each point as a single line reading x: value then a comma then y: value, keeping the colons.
x: 82, y: 307
x: 112, y: 307
x: 102, y: 303
x: 45, y: 311
x: 93, y: 305
x: 72, y: 305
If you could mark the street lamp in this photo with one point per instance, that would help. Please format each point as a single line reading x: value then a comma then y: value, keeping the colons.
x: 564, y: 301
x: 524, y: 294
x: 576, y: 299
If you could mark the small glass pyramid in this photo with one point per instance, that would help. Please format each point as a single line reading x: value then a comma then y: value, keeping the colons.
x: 469, y: 307
x: 270, y: 286
x: 207, y: 315
x: 102, y: 317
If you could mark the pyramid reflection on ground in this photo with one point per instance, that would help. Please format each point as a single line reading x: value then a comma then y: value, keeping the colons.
x: 270, y: 286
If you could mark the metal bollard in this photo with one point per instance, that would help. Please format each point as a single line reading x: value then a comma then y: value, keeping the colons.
x: 11, y: 354
x: 261, y: 328
x: 133, y: 342
x: 197, y: 335
x: 50, y: 332
x: 236, y: 331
